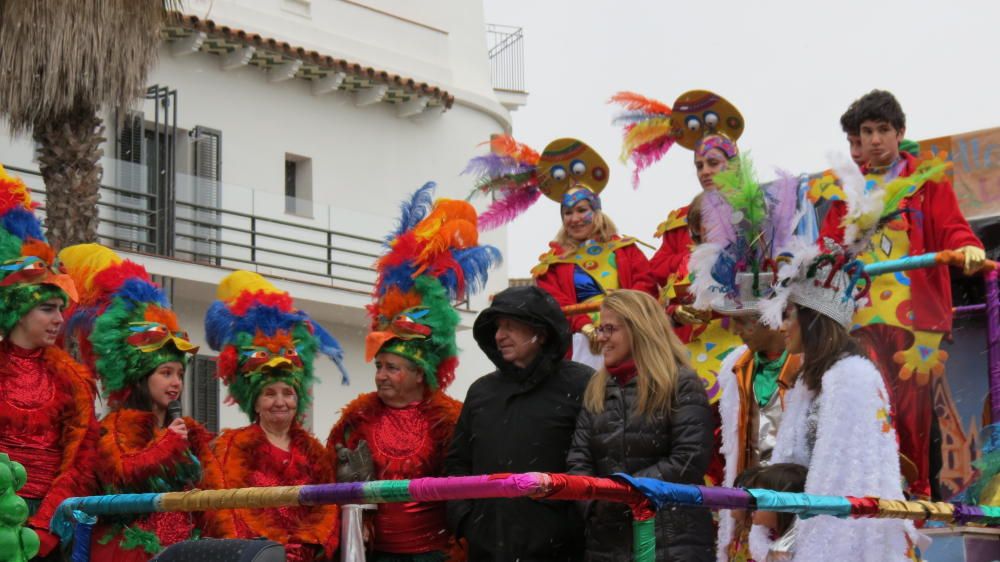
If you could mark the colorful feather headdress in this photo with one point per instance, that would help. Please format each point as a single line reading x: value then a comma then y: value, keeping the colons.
x: 567, y: 171
x: 123, y: 323
x: 29, y: 271
x: 433, y: 258
x: 262, y: 339
x: 651, y: 127
x: 745, y: 226
x: 829, y: 278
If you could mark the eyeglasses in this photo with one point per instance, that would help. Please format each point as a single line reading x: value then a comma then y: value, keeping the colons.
x: 606, y: 330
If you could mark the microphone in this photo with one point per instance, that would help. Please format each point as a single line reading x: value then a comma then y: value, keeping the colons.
x: 173, y: 412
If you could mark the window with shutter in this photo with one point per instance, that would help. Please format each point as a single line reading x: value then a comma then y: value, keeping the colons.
x: 131, y: 213
x: 207, y: 196
x: 204, y: 392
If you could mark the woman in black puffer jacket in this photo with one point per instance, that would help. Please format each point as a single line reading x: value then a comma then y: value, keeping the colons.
x: 645, y: 414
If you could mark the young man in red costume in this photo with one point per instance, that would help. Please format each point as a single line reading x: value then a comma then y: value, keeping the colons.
x: 46, y: 398
x: 402, y: 430
x: 908, y: 313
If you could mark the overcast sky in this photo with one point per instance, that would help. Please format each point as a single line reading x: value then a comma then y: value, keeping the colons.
x: 791, y: 67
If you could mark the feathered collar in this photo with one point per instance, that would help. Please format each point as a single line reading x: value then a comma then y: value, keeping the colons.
x: 243, y: 454
x: 133, y: 452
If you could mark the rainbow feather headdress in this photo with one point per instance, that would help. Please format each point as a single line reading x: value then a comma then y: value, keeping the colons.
x: 123, y: 323
x: 262, y: 339
x: 829, y: 277
x: 567, y: 171
x: 745, y: 226
x: 652, y: 128
x: 433, y: 257
x: 29, y: 271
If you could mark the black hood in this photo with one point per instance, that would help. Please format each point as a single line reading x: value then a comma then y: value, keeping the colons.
x: 530, y: 305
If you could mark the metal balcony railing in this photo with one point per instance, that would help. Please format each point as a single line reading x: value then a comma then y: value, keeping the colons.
x: 505, y: 45
x: 230, y: 238
x: 131, y: 220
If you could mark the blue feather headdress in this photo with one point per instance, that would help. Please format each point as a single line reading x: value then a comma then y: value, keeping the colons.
x: 433, y: 258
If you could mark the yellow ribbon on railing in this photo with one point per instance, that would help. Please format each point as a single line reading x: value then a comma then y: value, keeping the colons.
x: 240, y: 498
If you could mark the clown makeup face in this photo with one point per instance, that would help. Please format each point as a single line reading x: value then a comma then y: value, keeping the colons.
x: 165, y: 385
x: 707, y: 164
x: 397, y: 380
x: 791, y: 330
x: 880, y: 142
x: 857, y: 154
x: 277, y: 405
x: 40, y: 327
x: 578, y: 221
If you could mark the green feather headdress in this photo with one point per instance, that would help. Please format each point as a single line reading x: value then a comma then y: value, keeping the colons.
x: 263, y: 339
x: 123, y: 324
x: 433, y: 257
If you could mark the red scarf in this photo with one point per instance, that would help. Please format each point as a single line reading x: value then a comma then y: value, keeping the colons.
x: 623, y: 372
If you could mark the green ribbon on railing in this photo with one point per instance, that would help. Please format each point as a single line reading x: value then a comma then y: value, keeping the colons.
x: 644, y: 540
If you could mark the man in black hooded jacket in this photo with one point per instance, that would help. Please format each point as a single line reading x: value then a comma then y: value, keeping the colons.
x: 520, y: 418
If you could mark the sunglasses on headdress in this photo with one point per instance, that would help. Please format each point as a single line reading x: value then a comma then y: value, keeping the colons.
x: 152, y: 336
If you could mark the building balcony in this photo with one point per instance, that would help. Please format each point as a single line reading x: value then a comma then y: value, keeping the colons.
x: 505, y: 46
x: 320, y: 253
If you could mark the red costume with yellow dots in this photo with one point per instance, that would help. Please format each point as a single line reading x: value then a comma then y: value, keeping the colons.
x: 909, y: 313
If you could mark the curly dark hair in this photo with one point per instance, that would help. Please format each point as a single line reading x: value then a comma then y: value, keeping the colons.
x: 849, y: 122
x: 879, y: 105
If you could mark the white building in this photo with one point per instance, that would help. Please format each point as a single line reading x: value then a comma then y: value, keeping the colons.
x: 279, y: 136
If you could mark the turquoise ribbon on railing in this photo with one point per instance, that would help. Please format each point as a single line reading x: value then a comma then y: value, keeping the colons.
x: 901, y: 264
x: 806, y: 505
x: 62, y: 520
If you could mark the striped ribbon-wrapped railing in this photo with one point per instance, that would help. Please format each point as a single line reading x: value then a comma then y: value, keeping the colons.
x: 643, y: 495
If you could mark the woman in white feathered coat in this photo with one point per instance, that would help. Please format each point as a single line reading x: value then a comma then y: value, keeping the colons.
x: 838, y: 422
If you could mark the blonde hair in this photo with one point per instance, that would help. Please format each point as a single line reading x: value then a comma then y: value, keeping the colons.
x: 604, y: 229
x: 658, y: 354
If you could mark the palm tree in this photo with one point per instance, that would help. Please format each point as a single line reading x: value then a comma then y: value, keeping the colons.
x: 61, y: 62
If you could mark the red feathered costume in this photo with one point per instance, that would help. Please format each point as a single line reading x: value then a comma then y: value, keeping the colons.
x: 247, y: 459
x: 47, y: 424
x: 933, y: 222
x: 408, y: 442
x: 136, y: 456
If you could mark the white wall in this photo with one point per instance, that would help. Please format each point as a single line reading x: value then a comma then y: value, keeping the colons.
x: 364, y: 159
x: 441, y: 42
